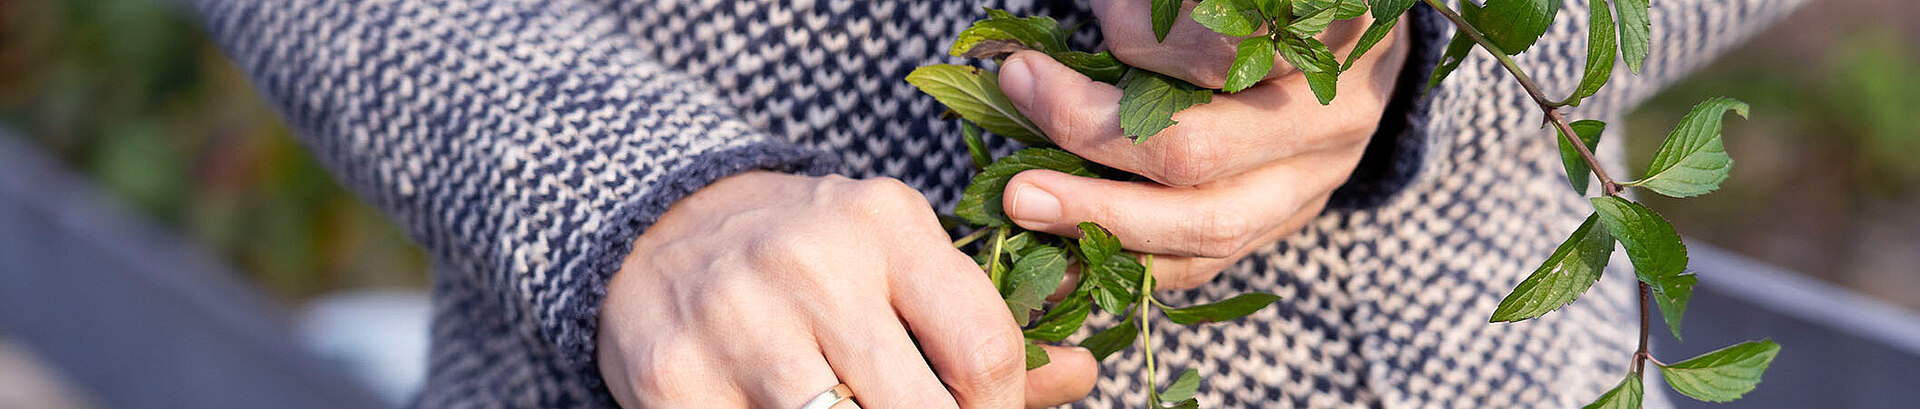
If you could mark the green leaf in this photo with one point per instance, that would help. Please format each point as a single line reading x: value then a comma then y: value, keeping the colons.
x: 1514, y: 25
x: 1309, y: 22
x: 1111, y: 340
x: 1034, y: 276
x: 1589, y: 132
x: 1036, y: 357
x: 1722, y: 375
x: 1148, y: 101
x: 1186, y: 404
x: 1114, y: 283
x: 980, y: 203
x: 1323, y: 84
x: 976, y: 147
x: 1308, y: 54
x: 1274, y: 9
x: 1232, y: 18
x: 1061, y: 321
x: 1659, y: 257
x: 1386, y: 14
x: 1457, y: 49
x: 1250, y: 64
x: 1627, y: 395
x: 1343, y: 9
x: 1164, y: 13
x: 1693, y: 160
x: 1097, y: 244
x: 1223, y: 310
x: 1569, y: 272
x: 1040, y: 33
x: 1183, y: 387
x: 975, y: 94
x: 1101, y: 67
x: 1601, y: 46
x: 1636, y: 32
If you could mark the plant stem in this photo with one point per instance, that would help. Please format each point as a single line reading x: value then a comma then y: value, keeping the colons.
x: 993, y: 263
x: 970, y: 237
x: 1146, y: 332
x: 1608, y: 186
x: 1552, y: 108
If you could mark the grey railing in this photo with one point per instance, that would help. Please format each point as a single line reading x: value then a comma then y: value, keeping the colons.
x: 141, y: 320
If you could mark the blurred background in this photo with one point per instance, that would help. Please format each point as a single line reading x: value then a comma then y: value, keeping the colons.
x: 129, y: 96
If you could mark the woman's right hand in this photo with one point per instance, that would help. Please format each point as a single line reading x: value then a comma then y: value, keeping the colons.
x: 764, y: 289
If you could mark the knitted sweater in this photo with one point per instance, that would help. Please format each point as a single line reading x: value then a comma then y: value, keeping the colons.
x: 526, y: 143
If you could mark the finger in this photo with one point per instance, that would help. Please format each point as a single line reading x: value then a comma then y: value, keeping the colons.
x: 787, y: 374
x: 1067, y: 377
x: 1184, y: 273
x: 964, y: 328
x: 870, y: 351
x: 1190, y: 52
x: 1146, y: 217
x: 1231, y: 135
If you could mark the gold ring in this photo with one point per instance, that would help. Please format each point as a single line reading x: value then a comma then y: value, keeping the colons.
x: 833, y: 396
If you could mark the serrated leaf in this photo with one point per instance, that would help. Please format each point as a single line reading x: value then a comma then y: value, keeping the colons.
x: 1566, y: 274
x: 975, y: 95
x: 1232, y: 18
x: 1636, y: 32
x: 980, y: 203
x: 1061, y: 321
x: 976, y: 147
x: 1110, y: 340
x: 1659, y: 257
x: 1693, y: 160
x: 1722, y: 375
x: 1343, y: 9
x: 1626, y: 395
x: 1186, y: 404
x: 1114, y: 283
x: 1601, y: 45
x: 1183, y: 387
x: 1457, y: 48
x: 1036, y: 357
x: 1588, y: 131
x: 1097, y: 244
x: 1514, y: 25
x: 1308, y: 54
x: 1274, y: 9
x: 1100, y: 66
x: 1148, y: 101
x: 1324, y: 85
x: 1250, y: 64
x: 1164, y: 13
x: 1386, y: 14
x: 1039, y: 33
x: 1221, y: 311
x: 1310, y: 22
x: 1034, y: 276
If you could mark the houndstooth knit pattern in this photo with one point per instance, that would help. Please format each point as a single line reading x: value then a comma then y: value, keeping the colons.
x: 526, y: 143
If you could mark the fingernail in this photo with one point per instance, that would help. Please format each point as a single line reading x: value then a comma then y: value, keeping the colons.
x: 1016, y: 80
x: 1034, y: 205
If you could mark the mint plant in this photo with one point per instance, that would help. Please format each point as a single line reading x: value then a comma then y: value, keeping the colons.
x: 1027, y: 266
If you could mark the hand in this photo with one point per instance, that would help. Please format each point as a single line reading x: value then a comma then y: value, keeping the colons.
x: 1234, y: 176
x: 765, y: 289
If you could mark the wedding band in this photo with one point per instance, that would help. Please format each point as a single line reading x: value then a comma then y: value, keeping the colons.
x: 829, y: 398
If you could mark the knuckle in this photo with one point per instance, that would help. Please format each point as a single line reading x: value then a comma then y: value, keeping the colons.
x: 666, y: 373
x: 998, y: 361
x: 1217, y: 233
x: 1189, y: 161
x: 883, y: 199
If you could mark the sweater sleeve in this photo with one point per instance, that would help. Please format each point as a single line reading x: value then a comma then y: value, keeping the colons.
x: 521, y: 142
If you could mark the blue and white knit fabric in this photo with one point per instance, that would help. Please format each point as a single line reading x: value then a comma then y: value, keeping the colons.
x: 526, y: 143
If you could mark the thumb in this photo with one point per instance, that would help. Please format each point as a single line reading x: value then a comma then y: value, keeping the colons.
x: 1066, y: 378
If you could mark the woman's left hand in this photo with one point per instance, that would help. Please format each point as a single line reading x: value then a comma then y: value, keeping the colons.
x: 1233, y: 176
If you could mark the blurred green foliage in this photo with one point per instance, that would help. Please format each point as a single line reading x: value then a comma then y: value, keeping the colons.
x: 132, y: 94
x: 1824, y: 180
